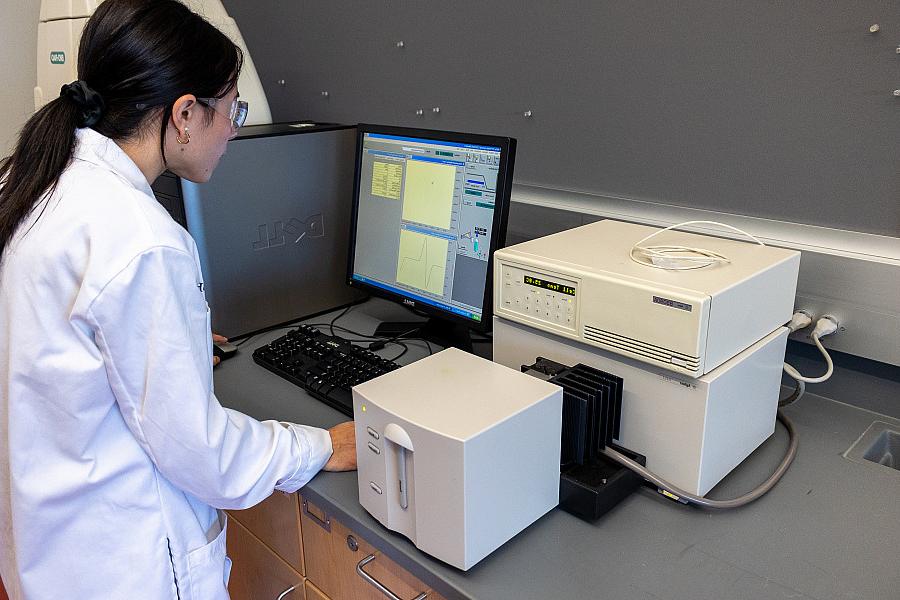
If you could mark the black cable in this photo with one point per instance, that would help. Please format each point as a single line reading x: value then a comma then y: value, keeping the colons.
x: 417, y: 339
x: 379, y: 344
x: 266, y: 330
x: 334, y: 320
x: 342, y: 328
x: 392, y: 340
x: 243, y: 341
x: 368, y: 337
x: 294, y: 323
x: 427, y: 343
x: 799, y: 388
x: 405, y: 350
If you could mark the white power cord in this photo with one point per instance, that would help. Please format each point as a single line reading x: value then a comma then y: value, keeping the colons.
x: 799, y: 320
x: 826, y: 325
x: 681, y: 258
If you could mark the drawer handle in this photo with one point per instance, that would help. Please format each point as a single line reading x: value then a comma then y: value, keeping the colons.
x: 286, y: 592
x: 326, y: 524
x: 377, y: 584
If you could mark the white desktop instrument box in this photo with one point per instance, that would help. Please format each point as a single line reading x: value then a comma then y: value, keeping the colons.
x: 693, y: 431
x: 457, y: 453
x: 581, y: 284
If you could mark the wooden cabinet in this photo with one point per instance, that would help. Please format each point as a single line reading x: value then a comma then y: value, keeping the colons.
x: 314, y: 593
x: 257, y: 573
x: 334, y: 554
x: 276, y: 522
x: 287, y: 541
x: 3, y: 595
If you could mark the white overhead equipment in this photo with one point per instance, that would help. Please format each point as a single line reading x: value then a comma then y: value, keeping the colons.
x: 59, y: 33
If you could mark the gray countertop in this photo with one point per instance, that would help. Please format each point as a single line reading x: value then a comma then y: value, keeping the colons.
x: 830, y: 529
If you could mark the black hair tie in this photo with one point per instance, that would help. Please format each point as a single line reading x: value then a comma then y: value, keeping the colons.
x: 90, y: 102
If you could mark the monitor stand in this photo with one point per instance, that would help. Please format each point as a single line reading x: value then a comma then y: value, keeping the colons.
x: 440, y: 331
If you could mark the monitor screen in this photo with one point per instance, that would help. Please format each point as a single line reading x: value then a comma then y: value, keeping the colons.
x: 430, y: 208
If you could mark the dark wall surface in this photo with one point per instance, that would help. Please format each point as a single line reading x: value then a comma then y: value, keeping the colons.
x: 780, y: 110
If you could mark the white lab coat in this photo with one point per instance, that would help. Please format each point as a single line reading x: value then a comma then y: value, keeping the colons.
x: 113, y: 447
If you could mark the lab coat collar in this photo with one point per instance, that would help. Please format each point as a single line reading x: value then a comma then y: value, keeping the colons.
x: 100, y: 150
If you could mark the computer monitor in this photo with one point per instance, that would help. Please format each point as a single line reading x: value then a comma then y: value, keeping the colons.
x: 429, y: 210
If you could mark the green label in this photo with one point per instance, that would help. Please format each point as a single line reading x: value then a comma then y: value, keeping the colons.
x: 58, y: 58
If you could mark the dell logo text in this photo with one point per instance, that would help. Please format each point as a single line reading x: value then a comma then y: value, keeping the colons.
x: 294, y: 231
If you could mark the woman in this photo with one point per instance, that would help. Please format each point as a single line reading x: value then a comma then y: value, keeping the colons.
x: 114, y: 452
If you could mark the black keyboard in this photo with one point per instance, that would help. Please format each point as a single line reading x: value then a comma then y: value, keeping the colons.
x: 325, y: 366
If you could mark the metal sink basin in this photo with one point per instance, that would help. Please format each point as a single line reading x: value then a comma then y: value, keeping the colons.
x: 879, y: 444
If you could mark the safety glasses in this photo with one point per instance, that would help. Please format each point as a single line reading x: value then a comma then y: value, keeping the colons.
x: 237, y: 113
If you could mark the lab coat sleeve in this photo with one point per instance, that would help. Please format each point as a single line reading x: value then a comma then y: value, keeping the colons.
x: 151, y: 325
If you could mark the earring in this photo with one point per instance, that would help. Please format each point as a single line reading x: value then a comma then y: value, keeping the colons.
x: 184, y: 140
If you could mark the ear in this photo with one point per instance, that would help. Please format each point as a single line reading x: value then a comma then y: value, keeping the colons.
x: 184, y: 112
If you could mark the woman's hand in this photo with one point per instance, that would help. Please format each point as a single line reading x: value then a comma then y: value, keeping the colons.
x: 343, y: 441
x: 220, y: 339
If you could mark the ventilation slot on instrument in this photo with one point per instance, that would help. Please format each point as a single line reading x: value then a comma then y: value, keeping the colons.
x: 642, y: 349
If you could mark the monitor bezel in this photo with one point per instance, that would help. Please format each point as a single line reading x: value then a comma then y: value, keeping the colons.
x: 507, y: 147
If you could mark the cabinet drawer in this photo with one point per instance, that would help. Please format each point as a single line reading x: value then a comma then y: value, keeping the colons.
x: 276, y: 522
x: 257, y: 572
x: 332, y: 553
x: 314, y: 593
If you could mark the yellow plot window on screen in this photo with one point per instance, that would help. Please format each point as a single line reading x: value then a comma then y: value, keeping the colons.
x: 421, y: 261
x: 428, y: 193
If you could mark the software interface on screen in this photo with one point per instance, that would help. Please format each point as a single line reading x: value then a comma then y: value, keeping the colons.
x: 424, y: 221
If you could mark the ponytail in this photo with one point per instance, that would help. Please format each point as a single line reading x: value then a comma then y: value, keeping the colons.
x: 135, y: 59
x: 43, y: 150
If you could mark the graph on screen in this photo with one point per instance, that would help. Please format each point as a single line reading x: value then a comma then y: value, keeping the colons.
x: 422, y: 261
x: 428, y: 193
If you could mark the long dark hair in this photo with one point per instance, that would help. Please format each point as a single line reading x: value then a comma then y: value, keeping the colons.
x: 139, y: 56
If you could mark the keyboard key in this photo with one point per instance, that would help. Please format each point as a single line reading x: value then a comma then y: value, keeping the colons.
x: 325, y: 366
